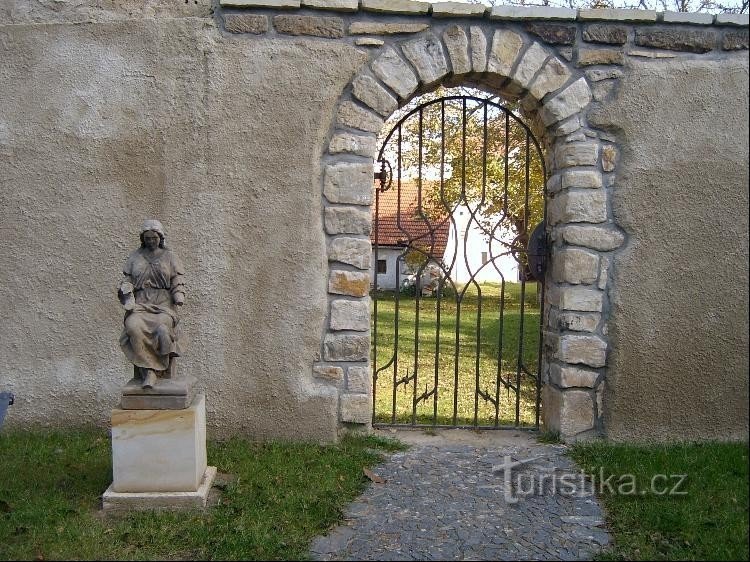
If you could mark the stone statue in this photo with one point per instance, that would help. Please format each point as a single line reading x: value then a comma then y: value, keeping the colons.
x: 150, y: 292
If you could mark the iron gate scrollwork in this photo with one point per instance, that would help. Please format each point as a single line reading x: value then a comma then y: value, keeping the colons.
x: 457, y: 296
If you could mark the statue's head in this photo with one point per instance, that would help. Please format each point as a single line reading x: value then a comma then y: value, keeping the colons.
x: 152, y: 226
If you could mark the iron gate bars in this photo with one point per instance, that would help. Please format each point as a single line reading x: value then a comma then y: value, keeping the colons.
x: 452, y: 171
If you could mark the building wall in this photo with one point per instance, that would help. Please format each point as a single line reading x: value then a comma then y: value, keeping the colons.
x: 120, y: 112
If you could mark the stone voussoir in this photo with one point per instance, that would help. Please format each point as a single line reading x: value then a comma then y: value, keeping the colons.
x: 506, y: 46
x: 566, y: 103
x: 530, y: 63
x: 426, y: 55
x: 352, y: 251
x: 457, y: 43
x: 314, y: 26
x: 367, y: 90
x: 352, y: 115
x: 552, y: 77
x: 395, y: 73
x: 351, y: 283
x: 478, y: 49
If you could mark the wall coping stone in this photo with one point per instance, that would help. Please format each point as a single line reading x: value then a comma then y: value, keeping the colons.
x: 505, y: 12
x: 687, y: 17
x: 337, y: 5
x: 395, y: 6
x: 458, y: 9
x: 732, y: 19
x: 531, y: 13
x: 616, y: 14
x: 260, y: 3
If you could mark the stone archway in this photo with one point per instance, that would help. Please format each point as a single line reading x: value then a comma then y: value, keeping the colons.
x: 580, y: 163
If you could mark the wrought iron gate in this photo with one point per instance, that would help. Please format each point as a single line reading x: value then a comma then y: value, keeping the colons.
x: 457, y: 310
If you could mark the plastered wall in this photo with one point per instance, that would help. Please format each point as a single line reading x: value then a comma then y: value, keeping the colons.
x: 122, y: 112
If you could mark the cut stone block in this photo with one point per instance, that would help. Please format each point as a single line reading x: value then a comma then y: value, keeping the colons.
x: 367, y: 90
x: 567, y: 103
x: 531, y: 62
x: 350, y: 315
x: 159, y: 450
x: 506, y: 12
x: 347, y: 182
x: 385, y: 28
x: 460, y: 9
x: 457, y: 43
x: 568, y: 411
x: 586, y: 350
x: 566, y: 376
x: 358, y: 380
x: 426, y: 54
x: 506, y: 45
x: 335, y: 5
x: 314, y: 26
x: 260, y: 3
x: 246, y: 23
x: 351, y: 115
x: 552, y: 77
x: 346, y: 347
x: 478, y: 49
x: 356, y: 408
x: 581, y: 298
x: 349, y: 143
x: 395, y: 73
x: 616, y: 14
x: 353, y: 251
x: 589, y: 205
x: 395, y: 6
x: 116, y: 502
x: 352, y: 283
x: 575, y: 266
x: 347, y: 220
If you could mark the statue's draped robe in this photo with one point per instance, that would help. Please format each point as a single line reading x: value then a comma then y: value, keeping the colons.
x: 151, y: 333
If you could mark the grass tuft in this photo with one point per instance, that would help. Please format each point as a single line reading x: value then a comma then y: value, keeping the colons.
x: 708, y: 522
x: 275, y: 498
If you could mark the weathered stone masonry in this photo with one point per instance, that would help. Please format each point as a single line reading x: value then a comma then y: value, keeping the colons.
x: 559, y: 63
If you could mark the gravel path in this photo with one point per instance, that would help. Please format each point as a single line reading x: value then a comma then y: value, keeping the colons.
x: 442, y: 500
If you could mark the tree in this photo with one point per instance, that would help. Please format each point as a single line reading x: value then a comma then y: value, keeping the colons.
x: 474, y: 154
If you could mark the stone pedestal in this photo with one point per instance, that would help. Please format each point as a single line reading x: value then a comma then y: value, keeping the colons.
x: 159, y: 458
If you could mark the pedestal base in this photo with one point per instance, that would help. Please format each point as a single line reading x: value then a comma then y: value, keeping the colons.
x: 159, y: 450
x: 143, y: 501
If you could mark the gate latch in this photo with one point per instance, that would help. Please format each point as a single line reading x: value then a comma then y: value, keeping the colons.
x: 537, y: 252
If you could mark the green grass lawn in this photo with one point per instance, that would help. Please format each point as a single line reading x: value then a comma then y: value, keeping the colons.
x: 708, y: 522
x: 280, y: 497
x: 428, y: 348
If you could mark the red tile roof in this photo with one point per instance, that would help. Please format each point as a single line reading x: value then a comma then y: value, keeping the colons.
x: 412, y: 228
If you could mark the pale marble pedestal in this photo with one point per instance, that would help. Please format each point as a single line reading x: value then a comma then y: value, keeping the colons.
x: 159, y: 459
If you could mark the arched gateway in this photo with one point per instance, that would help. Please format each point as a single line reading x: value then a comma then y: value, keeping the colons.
x: 554, y: 98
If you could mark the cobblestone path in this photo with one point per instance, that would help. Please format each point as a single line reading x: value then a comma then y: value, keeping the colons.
x: 441, y: 500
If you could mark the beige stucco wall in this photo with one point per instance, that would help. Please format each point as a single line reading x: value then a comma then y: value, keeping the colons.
x: 220, y: 136
x: 105, y: 124
x: 678, y: 364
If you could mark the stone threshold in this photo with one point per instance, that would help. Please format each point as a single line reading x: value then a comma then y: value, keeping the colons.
x: 508, y: 13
